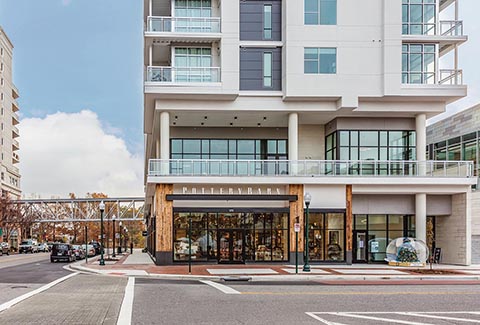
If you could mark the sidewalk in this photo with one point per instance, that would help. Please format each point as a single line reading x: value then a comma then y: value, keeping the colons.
x: 140, y: 264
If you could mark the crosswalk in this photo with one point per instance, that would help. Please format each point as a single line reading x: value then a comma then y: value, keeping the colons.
x: 407, y: 318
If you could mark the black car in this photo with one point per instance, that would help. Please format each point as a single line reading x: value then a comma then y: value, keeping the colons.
x: 62, y: 252
x: 97, y: 246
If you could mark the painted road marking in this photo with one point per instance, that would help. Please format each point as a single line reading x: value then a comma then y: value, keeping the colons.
x: 221, y: 287
x: 125, y: 316
x: 391, y: 317
x: 294, y: 293
x: 15, y: 301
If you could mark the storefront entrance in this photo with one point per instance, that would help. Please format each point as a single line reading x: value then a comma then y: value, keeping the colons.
x: 231, y: 248
x: 360, y: 247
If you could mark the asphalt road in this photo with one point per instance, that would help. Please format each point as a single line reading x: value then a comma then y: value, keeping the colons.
x: 23, y: 273
x: 168, y: 302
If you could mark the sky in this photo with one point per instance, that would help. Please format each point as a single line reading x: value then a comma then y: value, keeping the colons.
x: 79, y: 69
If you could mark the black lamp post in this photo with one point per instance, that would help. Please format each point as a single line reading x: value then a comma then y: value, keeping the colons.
x: 102, y: 208
x: 308, y: 199
x: 125, y: 238
x: 113, y: 220
x: 120, y: 229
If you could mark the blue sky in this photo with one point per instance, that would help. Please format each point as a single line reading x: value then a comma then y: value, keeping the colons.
x: 79, y: 54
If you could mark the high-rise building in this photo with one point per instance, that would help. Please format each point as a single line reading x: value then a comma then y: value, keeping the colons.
x: 263, y: 118
x: 9, y: 120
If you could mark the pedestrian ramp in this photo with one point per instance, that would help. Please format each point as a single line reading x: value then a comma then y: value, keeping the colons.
x: 408, y: 318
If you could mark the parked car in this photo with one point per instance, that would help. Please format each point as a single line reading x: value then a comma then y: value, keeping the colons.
x: 89, y: 250
x: 4, y: 248
x: 28, y: 246
x: 79, y: 252
x: 62, y: 252
x: 97, y: 246
x: 43, y: 247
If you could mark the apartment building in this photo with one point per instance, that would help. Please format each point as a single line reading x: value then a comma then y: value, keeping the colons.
x: 266, y: 117
x: 458, y: 138
x: 9, y: 120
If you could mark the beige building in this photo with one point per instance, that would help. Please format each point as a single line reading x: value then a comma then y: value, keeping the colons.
x: 251, y: 105
x: 9, y: 120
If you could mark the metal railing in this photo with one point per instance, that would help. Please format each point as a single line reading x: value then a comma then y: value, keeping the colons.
x: 180, y: 74
x: 451, y: 77
x: 183, y: 24
x: 310, y: 168
x: 451, y: 28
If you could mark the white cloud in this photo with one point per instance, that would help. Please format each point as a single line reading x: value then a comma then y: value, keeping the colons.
x: 63, y: 153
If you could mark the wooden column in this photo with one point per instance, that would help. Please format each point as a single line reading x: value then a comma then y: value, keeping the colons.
x: 349, y: 224
x: 296, y: 210
x: 164, y: 223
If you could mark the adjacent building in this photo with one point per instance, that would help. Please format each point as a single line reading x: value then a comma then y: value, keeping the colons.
x: 9, y: 120
x: 458, y: 138
x: 251, y: 105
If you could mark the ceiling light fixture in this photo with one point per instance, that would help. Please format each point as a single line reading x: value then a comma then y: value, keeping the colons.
x: 205, y: 117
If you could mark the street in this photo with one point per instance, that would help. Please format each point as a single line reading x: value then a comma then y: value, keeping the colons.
x: 97, y: 299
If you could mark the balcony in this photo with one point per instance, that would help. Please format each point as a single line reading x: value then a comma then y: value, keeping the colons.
x: 15, y: 145
x: 451, y: 77
x: 188, y: 75
x: 15, y: 119
x: 310, y: 168
x: 15, y: 158
x: 183, y: 25
x: 15, y: 132
x: 451, y: 28
x: 15, y: 92
x: 448, y: 77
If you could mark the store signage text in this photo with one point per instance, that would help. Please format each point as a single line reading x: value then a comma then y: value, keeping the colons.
x: 232, y: 190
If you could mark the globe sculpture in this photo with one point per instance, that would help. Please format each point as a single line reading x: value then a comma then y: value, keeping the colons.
x: 407, y: 251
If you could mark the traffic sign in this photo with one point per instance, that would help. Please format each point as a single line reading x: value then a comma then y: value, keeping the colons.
x: 296, y: 227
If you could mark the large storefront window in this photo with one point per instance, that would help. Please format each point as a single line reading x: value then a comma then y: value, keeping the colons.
x: 231, y: 237
x: 372, y: 234
x: 326, y: 236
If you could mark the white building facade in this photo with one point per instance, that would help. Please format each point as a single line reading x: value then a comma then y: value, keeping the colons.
x: 249, y: 105
x: 9, y: 120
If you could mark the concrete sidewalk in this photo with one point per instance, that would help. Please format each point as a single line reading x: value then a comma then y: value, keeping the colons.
x: 140, y: 264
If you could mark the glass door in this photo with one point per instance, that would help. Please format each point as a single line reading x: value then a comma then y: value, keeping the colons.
x: 231, y: 248
x: 359, y: 247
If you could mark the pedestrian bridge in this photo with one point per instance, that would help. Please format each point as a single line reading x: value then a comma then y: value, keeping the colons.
x: 78, y: 209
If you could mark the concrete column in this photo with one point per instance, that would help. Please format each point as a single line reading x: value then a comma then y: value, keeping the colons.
x: 164, y: 141
x: 293, y: 136
x: 421, y: 145
x: 293, y: 140
x: 421, y: 216
x: 150, y: 7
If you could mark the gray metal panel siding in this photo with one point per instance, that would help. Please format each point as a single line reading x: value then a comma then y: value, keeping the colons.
x: 251, y: 20
x: 251, y: 68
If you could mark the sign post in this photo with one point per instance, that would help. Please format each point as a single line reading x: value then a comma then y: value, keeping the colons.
x: 296, y: 228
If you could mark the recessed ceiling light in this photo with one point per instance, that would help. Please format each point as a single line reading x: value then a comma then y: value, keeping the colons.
x: 202, y: 123
x: 264, y: 118
x: 174, y: 123
x: 205, y: 117
x: 259, y: 124
x: 176, y: 117
x: 235, y: 117
x: 231, y: 124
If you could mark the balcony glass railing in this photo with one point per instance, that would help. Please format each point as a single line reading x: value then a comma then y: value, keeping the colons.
x: 184, y: 24
x: 451, y: 77
x: 183, y: 75
x: 310, y: 168
x: 451, y: 28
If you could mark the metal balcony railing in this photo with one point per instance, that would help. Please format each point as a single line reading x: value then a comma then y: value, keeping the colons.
x: 183, y: 24
x: 451, y: 77
x: 182, y: 75
x: 310, y: 168
x: 451, y: 28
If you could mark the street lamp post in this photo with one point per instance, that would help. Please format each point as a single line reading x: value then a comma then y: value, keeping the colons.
x: 125, y: 238
x: 102, y: 208
x: 113, y: 220
x: 308, y: 199
x: 120, y: 229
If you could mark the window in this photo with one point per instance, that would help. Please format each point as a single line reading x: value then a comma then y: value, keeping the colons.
x: 418, y: 63
x: 320, y: 60
x: 320, y: 12
x: 418, y: 17
x: 326, y: 236
x: 1, y: 96
x: 267, y: 22
x: 193, y: 8
x: 267, y: 69
x: 194, y: 65
x: 2, y: 82
x: 1, y: 51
